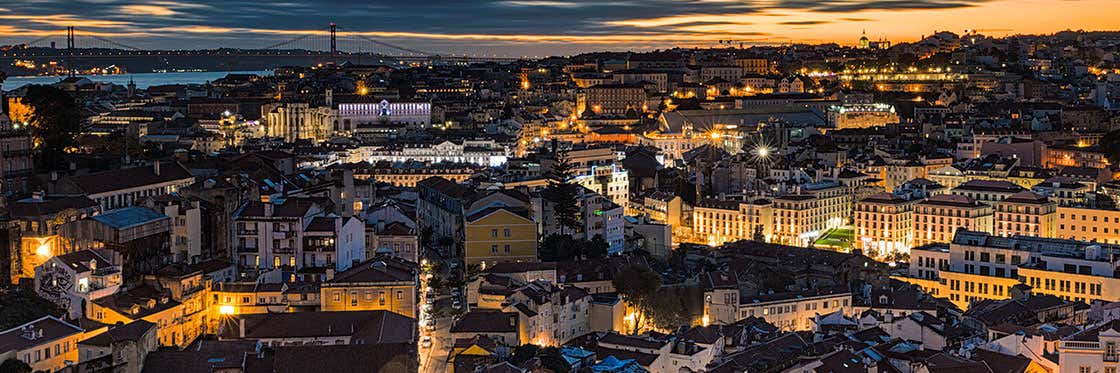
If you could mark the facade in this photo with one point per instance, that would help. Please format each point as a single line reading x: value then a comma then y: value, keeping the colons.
x: 1086, y: 224
x: 73, y: 280
x: 15, y: 160
x: 497, y: 234
x: 486, y: 153
x: 46, y: 344
x: 787, y: 311
x: 412, y: 114
x: 381, y: 283
x: 800, y: 218
x: 125, y: 187
x: 122, y: 348
x: 1025, y: 213
x: 718, y: 221
x: 884, y: 224
x: 980, y: 266
x: 613, y: 99
x: 938, y: 218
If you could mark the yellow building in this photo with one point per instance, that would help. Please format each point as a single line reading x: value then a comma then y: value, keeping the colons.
x: 382, y: 283
x: 715, y: 222
x: 178, y: 324
x: 802, y: 217
x: 884, y: 224
x: 1079, y: 223
x: 47, y: 344
x: 1025, y: 213
x: 500, y: 234
x: 938, y: 218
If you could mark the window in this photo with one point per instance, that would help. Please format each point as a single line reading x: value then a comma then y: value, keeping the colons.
x: 337, y: 296
x: 507, y: 248
x: 493, y: 249
x: 276, y: 261
x: 493, y: 233
x: 506, y: 232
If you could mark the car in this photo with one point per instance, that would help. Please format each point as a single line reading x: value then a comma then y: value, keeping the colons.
x: 455, y: 292
x: 456, y: 304
x: 454, y: 264
x: 426, y: 341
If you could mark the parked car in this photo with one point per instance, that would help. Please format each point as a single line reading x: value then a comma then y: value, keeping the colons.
x: 456, y: 304
x: 426, y: 341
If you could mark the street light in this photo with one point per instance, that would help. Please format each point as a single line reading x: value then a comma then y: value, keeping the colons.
x: 762, y: 151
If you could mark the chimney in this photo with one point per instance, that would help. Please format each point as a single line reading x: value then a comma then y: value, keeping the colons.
x: 54, y: 175
x: 241, y: 327
x: 268, y: 208
x: 330, y: 274
x: 156, y: 167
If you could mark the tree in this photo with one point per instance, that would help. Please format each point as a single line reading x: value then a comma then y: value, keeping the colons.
x: 524, y: 353
x: 597, y: 248
x: 1110, y: 144
x: 55, y: 122
x: 565, y: 206
x: 758, y: 234
x: 562, y: 247
x: 14, y: 366
x: 638, y: 287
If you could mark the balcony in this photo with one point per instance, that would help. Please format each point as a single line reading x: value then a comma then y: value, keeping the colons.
x: 1080, y: 345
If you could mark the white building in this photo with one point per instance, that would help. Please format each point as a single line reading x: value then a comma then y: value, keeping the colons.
x: 73, y: 280
x: 486, y: 153
x: 412, y: 114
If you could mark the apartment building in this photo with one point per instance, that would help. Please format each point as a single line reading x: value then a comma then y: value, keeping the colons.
x: 885, y: 224
x: 939, y: 217
x: 497, y: 234
x: 802, y: 216
x: 979, y: 266
x: 717, y: 221
x: 790, y: 311
x: 294, y: 234
x: 613, y: 99
x: 72, y: 280
x: 1088, y: 224
x: 382, y: 283
x: 125, y: 187
x: 1025, y: 213
x: 46, y: 344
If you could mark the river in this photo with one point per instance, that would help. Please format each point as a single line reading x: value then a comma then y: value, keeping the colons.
x: 143, y: 80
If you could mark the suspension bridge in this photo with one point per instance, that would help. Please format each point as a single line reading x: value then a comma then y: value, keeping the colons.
x: 330, y: 44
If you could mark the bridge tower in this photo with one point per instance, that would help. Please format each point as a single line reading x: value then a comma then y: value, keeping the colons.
x: 334, y: 46
x: 70, y: 31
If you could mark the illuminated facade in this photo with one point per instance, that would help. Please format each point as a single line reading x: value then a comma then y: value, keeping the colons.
x: 800, y: 218
x: 715, y: 222
x: 1025, y: 213
x: 884, y: 224
x: 1086, y: 224
x: 938, y: 218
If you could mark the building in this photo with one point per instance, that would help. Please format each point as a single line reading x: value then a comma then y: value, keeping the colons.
x: 382, y: 283
x: 802, y: 216
x: 15, y: 160
x: 884, y: 224
x: 1086, y: 224
x: 138, y: 236
x: 861, y: 116
x: 1025, y: 213
x: 296, y: 234
x: 717, y: 221
x: 411, y: 114
x: 980, y: 266
x: 1092, y: 350
x: 793, y: 311
x: 46, y: 344
x: 121, y: 348
x: 186, y: 225
x: 175, y: 325
x: 938, y: 218
x: 616, y: 99
x: 73, y: 280
x: 38, y: 220
x: 987, y: 191
x: 125, y: 187
x: 497, y: 234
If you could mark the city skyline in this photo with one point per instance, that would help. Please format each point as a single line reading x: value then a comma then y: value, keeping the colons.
x: 545, y: 27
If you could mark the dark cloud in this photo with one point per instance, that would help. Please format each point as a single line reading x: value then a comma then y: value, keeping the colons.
x: 163, y: 23
x: 804, y: 23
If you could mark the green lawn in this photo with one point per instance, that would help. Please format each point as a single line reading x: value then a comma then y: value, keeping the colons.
x: 837, y: 238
